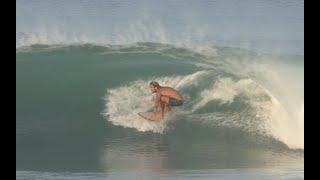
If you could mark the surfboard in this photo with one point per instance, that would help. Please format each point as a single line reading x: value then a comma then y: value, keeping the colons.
x: 149, y: 116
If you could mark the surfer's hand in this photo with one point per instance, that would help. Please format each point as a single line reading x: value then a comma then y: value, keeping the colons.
x: 149, y: 101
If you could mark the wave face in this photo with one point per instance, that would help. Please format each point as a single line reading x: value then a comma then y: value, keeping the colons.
x: 244, y: 92
x: 232, y: 89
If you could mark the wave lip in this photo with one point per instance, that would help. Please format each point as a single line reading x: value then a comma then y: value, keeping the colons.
x: 139, y: 32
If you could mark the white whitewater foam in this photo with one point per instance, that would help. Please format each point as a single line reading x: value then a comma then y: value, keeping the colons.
x: 270, y: 116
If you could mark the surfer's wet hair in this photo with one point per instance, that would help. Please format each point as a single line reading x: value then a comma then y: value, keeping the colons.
x: 155, y: 84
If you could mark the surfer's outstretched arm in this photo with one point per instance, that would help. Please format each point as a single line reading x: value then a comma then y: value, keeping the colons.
x: 149, y: 101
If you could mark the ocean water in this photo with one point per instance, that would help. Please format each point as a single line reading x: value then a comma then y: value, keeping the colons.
x: 82, y: 74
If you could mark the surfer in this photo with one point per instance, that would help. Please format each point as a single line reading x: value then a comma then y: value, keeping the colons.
x: 165, y: 98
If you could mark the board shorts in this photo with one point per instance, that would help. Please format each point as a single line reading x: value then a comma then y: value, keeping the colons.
x: 175, y: 102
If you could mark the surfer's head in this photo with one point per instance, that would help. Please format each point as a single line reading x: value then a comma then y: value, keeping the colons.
x: 154, y: 86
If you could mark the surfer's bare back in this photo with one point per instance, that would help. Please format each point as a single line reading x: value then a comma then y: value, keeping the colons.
x: 165, y: 98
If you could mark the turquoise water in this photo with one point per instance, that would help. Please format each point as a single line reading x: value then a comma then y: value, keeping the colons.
x: 80, y: 86
x: 76, y: 112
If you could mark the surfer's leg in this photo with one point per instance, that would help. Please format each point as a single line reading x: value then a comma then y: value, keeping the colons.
x: 166, y: 107
x: 164, y: 99
x: 162, y: 109
x: 164, y: 104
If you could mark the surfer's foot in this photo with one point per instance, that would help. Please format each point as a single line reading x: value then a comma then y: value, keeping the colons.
x: 158, y: 115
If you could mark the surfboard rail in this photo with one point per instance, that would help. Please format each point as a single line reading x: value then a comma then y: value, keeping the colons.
x: 148, y: 116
